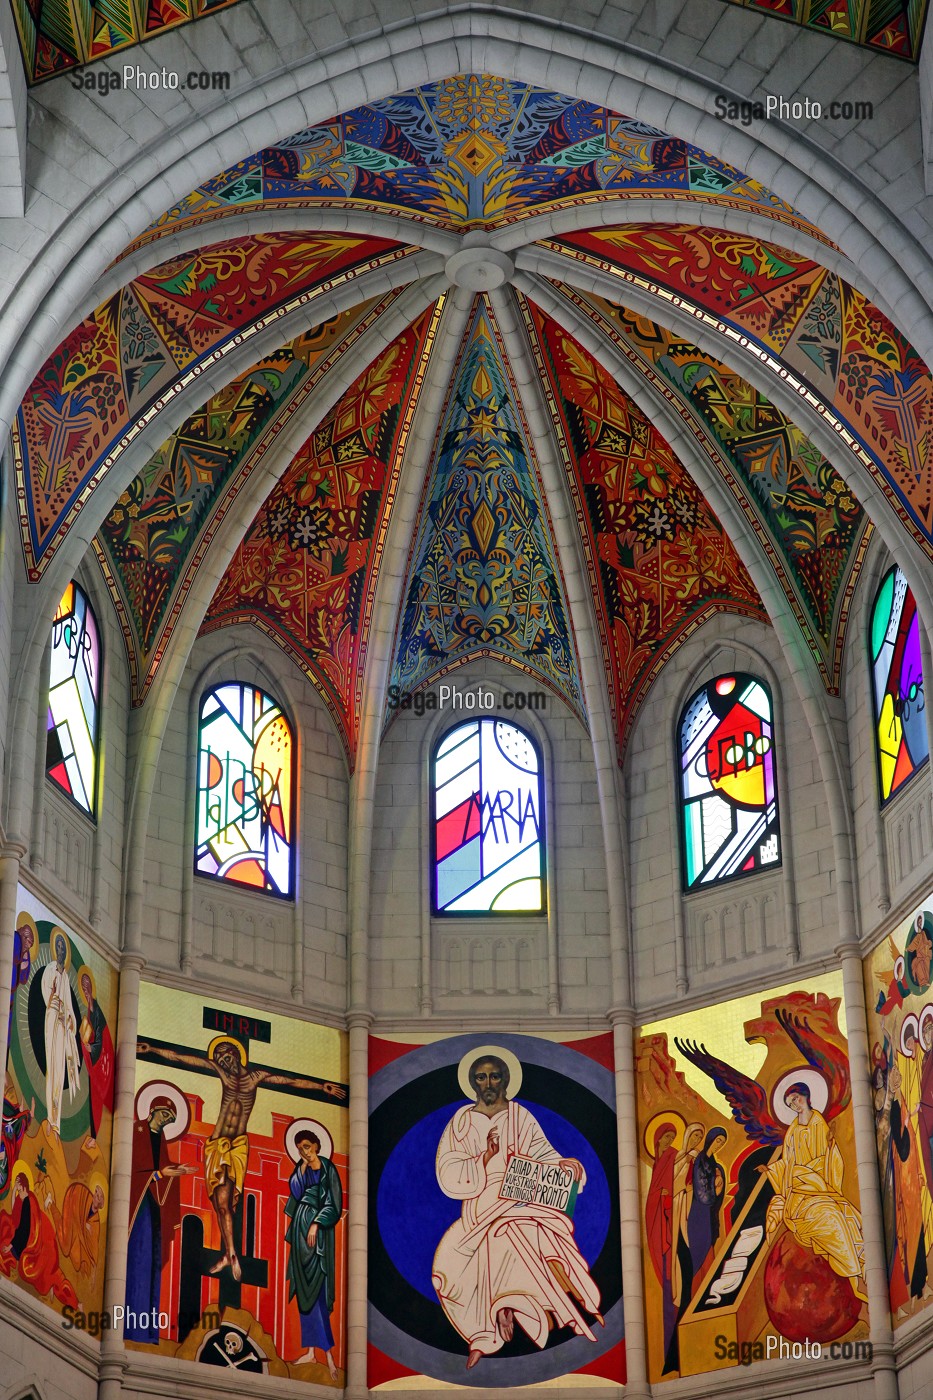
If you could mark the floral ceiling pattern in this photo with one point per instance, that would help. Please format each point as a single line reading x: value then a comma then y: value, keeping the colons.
x: 473, y: 151
x: 305, y: 572
x: 660, y: 562
x: 484, y: 578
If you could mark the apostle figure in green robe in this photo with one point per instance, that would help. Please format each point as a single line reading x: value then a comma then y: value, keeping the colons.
x: 313, y: 1208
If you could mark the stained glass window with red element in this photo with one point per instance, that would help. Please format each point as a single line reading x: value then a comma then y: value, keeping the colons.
x: 902, y: 742
x: 246, y: 784
x: 488, y: 821
x: 74, y: 699
x: 728, y: 775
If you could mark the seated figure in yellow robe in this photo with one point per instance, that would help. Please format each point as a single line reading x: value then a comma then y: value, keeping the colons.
x: 807, y: 1182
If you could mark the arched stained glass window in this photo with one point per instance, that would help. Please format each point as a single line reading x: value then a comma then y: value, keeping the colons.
x: 488, y: 821
x: 728, y: 776
x: 901, y: 737
x: 72, y: 728
x: 246, y: 784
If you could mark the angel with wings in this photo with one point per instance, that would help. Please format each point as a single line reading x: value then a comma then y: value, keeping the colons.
x: 806, y: 1175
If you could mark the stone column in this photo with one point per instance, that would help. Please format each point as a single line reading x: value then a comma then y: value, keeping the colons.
x: 357, y: 1257
x: 113, y: 1358
x: 10, y: 857
x: 622, y: 1020
x: 866, y: 1155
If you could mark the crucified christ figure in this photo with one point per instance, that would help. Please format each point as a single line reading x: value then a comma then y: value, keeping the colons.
x: 226, y: 1151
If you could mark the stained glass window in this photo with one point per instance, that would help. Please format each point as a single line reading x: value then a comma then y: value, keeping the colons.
x: 728, y: 780
x: 897, y: 684
x: 488, y: 821
x: 74, y: 699
x: 245, y: 790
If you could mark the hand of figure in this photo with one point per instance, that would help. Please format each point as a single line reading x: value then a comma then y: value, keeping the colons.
x: 142, y: 1047
x: 492, y: 1145
x: 312, y: 1236
x: 761, y: 1170
x: 336, y: 1091
x: 570, y: 1164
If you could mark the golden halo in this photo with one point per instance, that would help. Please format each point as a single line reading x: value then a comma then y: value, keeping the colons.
x: 654, y: 1123
x: 53, y: 936
x: 310, y: 1125
x: 226, y: 1040
x: 30, y: 923
x: 470, y: 1058
x: 162, y: 1089
x: 85, y: 971
x: 910, y: 1021
x: 25, y: 1170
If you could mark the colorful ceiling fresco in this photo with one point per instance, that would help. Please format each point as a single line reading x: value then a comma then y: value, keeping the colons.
x: 893, y: 26
x: 305, y: 573
x: 158, y: 532
x: 473, y: 151
x: 58, y: 35
x: 819, y: 333
x: 114, y: 372
x: 483, y: 576
x: 659, y: 561
x: 812, y: 528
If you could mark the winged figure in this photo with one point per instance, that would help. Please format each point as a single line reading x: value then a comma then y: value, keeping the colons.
x: 748, y: 1100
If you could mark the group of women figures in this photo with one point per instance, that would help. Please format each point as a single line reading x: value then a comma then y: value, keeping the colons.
x: 683, y: 1219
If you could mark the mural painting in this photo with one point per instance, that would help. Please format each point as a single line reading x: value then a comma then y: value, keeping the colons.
x: 239, y: 1184
x: 57, y: 1113
x: 899, y: 999
x: 508, y: 1273
x: 752, y: 1233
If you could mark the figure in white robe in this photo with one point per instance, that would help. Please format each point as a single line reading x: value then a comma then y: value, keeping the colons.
x: 61, y: 1046
x: 506, y: 1261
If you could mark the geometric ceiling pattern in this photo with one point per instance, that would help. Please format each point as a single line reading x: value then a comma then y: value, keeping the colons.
x: 807, y: 519
x: 659, y: 561
x: 473, y: 154
x: 57, y: 35
x: 111, y: 375
x: 473, y: 151
x: 894, y: 26
x: 483, y: 576
x: 152, y: 542
x: 853, y: 361
x: 305, y: 571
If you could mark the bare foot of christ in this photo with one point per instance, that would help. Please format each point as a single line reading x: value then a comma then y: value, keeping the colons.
x: 506, y: 1321
x: 472, y: 1359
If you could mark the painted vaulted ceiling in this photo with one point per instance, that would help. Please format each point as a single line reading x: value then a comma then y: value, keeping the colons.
x: 484, y: 578
x: 58, y: 35
x: 270, y: 499
x: 893, y: 26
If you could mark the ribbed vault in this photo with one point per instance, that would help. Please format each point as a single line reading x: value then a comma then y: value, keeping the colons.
x: 351, y: 327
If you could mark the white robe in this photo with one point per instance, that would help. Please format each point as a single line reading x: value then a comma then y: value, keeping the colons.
x: 61, y: 1047
x: 499, y: 1254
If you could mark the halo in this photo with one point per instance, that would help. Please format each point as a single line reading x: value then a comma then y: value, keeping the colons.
x: 84, y: 970
x: 53, y: 935
x: 226, y: 1040
x: 925, y: 1015
x: 98, y: 1179
x: 654, y: 1123
x: 162, y: 1089
x: 470, y: 1058
x: 30, y: 923
x: 819, y: 1092
x: 910, y: 1020
x: 310, y: 1125
x: 25, y: 1170
x: 899, y: 966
